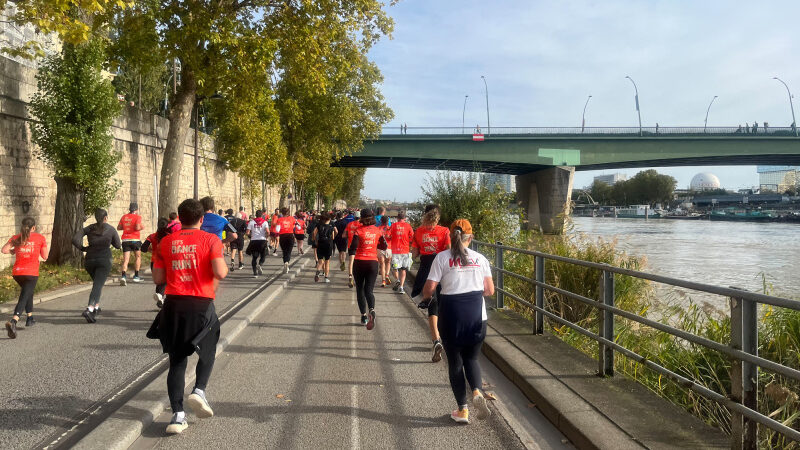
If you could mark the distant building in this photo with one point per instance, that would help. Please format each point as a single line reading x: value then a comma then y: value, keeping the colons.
x: 778, y: 178
x: 704, y: 182
x: 611, y: 179
x: 498, y: 180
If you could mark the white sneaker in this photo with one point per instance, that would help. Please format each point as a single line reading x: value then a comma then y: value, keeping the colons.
x: 400, y: 290
x: 159, y: 300
x: 327, y: 280
x: 285, y: 267
x: 259, y: 270
x: 175, y: 426
x: 123, y: 281
x: 199, y: 405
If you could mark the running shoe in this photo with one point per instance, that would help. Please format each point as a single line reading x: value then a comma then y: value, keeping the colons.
x: 259, y: 270
x: 388, y: 281
x: 285, y: 267
x: 97, y: 310
x: 316, y: 277
x: 159, y: 300
x: 11, y: 329
x: 30, y: 321
x: 350, y: 282
x: 89, y: 316
x: 364, y: 320
x: 233, y: 266
x: 275, y: 253
x: 481, y: 407
x: 383, y: 284
x: 437, y: 351
x: 460, y: 415
x: 396, y: 286
x: 175, y: 426
x: 137, y: 279
x: 371, y: 322
x: 123, y: 281
x: 198, y: 403
x: 241, y: 266
x: 327, y: 280
x: 342, y: 267
x: 401, y: 290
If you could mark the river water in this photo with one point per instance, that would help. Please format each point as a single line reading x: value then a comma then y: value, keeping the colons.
x: 718, y: 253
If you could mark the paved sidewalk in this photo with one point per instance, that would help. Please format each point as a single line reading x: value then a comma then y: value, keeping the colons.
x: 306, y: 374
x: 63, y: 365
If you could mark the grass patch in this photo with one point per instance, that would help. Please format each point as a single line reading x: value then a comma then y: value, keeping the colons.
x: 54, y: 277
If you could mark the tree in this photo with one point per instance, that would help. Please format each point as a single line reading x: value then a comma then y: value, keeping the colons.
x: 74, y: 108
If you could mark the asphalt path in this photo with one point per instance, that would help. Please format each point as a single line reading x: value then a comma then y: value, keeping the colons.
x: 60, y: 368
x: 306, y: 374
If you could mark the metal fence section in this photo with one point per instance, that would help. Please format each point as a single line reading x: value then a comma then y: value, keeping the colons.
x: 597, y: 131
x: 742, y: 349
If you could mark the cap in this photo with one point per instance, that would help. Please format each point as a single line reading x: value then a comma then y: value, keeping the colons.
x: 133, y: 207
x: 463, y: 225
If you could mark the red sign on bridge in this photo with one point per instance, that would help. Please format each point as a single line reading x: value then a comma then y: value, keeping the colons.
x: 477, y: 137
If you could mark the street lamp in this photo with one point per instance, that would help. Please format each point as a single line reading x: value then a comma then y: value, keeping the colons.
x: 463, y: 113
x: 583, y: 118
x: 791, y: 105
x: 488, y: 124
x: 197, y: 102
x: 705, y: 124
x: 636, y: 89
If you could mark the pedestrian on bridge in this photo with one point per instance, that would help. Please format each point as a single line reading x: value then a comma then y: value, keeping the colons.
x: 465, y: 276
x: 191, y: 263
x: 27, y: 247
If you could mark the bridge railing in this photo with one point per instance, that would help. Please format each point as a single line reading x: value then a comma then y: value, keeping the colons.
x: 597, y: 131
x: 742, y: 348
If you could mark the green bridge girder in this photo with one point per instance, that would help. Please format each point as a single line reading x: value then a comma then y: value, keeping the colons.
x: 524, y: 153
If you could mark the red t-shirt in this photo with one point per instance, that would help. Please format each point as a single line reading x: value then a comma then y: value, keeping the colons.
x: 273, y: 222
x: 300, y: 227
x: 286, y: 224
x: 129, y: 231
x: 26, y: 256
x: 401, y: 235
x: 186, y: 256
x: 350, y: 229
x: 431, y: 241
x: 368, y: 237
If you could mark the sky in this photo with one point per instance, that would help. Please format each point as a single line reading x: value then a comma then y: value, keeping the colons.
x: 542, y: 59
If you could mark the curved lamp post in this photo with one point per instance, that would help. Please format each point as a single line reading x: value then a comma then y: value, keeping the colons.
x: 636, y: 89
x: 463, y: 112
x: 583, y: 117
x: 488, y: 124
x: 791, y: 105
x: 705, y: 124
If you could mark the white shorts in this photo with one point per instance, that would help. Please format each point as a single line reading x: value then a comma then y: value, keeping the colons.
x: 401, y: 261
x: 385, y: 254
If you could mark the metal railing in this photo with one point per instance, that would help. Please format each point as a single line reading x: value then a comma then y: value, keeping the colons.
x: 598, y: 131
x: 742, y: 350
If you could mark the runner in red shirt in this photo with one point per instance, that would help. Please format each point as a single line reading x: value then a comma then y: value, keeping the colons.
x: 401, y: 235
x: 151, y: 244
x: 385, y: 252
x: 273, y: 233
x: 429, y: 240
x: 27, y: 247
x: 363, y: 253
x: 130, y: 224
x: 191, y: 263
x: 300, y: 230
x: 349, y: 232
x: 285, y: 229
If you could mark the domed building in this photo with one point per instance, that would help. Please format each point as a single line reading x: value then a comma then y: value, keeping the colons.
x: 704, y: 181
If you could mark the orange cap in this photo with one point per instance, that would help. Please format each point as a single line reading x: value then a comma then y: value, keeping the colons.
x: 464, y: 224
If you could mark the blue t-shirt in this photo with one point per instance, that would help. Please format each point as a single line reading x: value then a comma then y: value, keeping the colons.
x: 215, y: 224
x: 378, y: 221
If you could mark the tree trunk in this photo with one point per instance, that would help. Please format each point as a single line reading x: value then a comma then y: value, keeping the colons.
x: 69, y: 218
x: 180, y: 119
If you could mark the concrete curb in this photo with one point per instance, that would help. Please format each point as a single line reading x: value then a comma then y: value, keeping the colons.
x: 126, y: 424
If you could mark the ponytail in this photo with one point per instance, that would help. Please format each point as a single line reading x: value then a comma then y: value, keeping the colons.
x: 162, y: 228
x: 431, y: 218
x: 25, y: 232
x: 99, y: 215
x: 458, y: 248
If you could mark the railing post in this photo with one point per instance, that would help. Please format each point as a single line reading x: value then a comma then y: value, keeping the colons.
x: 539, y: 267
x: 498, y: 256
x: 744, y: 375
x: 605, y: 354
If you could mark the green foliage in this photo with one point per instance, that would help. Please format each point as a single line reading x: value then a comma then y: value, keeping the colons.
x: 131, y: 80
x: 74, y: 108
x: 646, y: 188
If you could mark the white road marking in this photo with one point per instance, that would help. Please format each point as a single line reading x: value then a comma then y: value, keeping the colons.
x: 355, y: 432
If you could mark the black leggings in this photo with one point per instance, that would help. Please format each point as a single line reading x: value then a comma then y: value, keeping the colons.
x: 176, y: 378
x: 425, y: 263
x: 463, y: 360
x: 287, y: 244
x: 160, y: 288
x: 258, y: 249
x: 27, y: 283
x: 98, y: 269
x: 364, y: 274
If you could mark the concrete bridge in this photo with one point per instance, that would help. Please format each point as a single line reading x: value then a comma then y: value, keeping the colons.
x: 544, y: 158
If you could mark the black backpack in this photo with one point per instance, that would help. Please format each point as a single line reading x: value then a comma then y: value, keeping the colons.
x: 238, y: 224
x: 324, y: 233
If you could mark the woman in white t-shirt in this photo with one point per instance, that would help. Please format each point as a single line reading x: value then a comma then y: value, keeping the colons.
x: 258, y: 230
x: 465, y: 277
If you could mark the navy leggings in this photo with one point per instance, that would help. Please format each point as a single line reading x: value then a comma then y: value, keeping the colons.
x: 463, y: 361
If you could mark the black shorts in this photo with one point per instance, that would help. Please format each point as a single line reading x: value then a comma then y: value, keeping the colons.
x: 299, y: 237
x: 324, y: 251
x: 238, y: 243
x: 131, y: 246
x: 433, y: 308
x: 341, y: 245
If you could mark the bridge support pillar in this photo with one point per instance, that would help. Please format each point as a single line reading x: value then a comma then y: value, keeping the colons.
x: 545, y: 196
